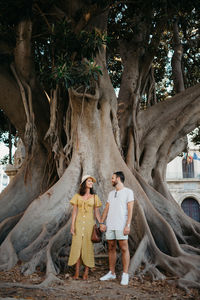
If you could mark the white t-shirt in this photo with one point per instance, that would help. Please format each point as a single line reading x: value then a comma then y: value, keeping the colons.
x: 118, y: 211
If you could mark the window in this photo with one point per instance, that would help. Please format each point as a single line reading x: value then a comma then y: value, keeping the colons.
x: 192, y: 208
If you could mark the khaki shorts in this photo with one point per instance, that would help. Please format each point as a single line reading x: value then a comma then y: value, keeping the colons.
x: 116, y: 235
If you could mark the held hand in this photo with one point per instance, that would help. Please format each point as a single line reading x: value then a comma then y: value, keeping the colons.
x: 102, y: 227
x: 126, y: 230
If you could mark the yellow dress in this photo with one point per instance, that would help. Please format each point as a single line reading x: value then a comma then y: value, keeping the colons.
x: 82, y: 245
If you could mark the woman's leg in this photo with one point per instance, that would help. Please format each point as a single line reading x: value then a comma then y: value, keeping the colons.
x: 77, y: 268
x: 85, y: 275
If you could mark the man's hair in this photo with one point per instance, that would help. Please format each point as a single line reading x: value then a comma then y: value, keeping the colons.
x: 120, y: 174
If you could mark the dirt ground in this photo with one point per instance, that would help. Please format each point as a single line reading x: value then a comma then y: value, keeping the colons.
x: 23, y: 287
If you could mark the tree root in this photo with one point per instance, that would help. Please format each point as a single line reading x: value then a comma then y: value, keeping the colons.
x: 17, y: 196
x: 55, y: 244
x: 154, y: 273
x: 56, y: 210
x: 28, y: 286
x: 8, y: 256
x: 47, y: 257
x: 190, y: 249
x: 30, y: 136
x: 38, y: 260
x: 185, y: 228
x: 42, y: 257
x: 51, y: 133
x: 183, y: 283
x: 50, y: 279
x: 7, y: 225
x: 182, y: 265
x: 40, y: 242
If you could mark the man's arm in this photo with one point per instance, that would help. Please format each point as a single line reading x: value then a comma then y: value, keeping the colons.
x: 103, y: 217
x: 129, y: 218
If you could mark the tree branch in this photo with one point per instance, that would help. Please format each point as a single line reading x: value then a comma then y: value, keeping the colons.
x: 169, y: 110
x: 85, y: 95
x: 22, y: 91
x: 176, y: 61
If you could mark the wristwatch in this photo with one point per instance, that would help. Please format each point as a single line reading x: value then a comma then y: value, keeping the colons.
x: 128, y: 225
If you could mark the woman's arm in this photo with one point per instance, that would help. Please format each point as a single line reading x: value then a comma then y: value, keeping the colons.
x: 97, y: 214
x: 74, y: 213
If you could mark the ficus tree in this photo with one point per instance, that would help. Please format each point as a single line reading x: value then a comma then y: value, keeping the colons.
x: 85, y: 84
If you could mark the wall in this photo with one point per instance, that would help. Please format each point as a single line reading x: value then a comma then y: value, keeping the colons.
x: 183, y: 188
x: 4, y: 179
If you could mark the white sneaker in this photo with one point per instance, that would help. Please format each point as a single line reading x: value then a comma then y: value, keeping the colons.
x: 125, y: 279
x: 108, y: 276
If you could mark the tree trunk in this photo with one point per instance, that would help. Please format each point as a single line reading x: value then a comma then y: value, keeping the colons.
x: 177, y: 72
x: 29, y: 183
x: 93, y: 142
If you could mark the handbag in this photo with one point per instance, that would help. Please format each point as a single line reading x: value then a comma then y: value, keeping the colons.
x: 96, y: 232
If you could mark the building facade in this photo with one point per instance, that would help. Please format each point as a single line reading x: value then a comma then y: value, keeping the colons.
x: 183, y: 179
x: 4, y: 179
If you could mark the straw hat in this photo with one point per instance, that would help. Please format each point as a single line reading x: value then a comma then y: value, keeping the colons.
x: 85, y: 177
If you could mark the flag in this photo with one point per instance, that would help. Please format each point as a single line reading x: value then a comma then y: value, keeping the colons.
x: 195, y: 156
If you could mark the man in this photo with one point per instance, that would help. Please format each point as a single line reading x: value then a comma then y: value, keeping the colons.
x: 118, y: 211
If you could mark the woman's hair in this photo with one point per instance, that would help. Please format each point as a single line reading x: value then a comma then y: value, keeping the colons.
x: 82, y: 189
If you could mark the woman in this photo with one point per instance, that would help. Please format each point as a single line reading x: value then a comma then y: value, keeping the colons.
x: 85, y: 206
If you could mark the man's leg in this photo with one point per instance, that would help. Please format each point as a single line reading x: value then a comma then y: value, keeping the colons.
x: 112, y: 244
x: 123, y: 244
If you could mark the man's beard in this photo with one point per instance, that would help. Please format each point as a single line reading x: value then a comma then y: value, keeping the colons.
x: 114, y: 183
